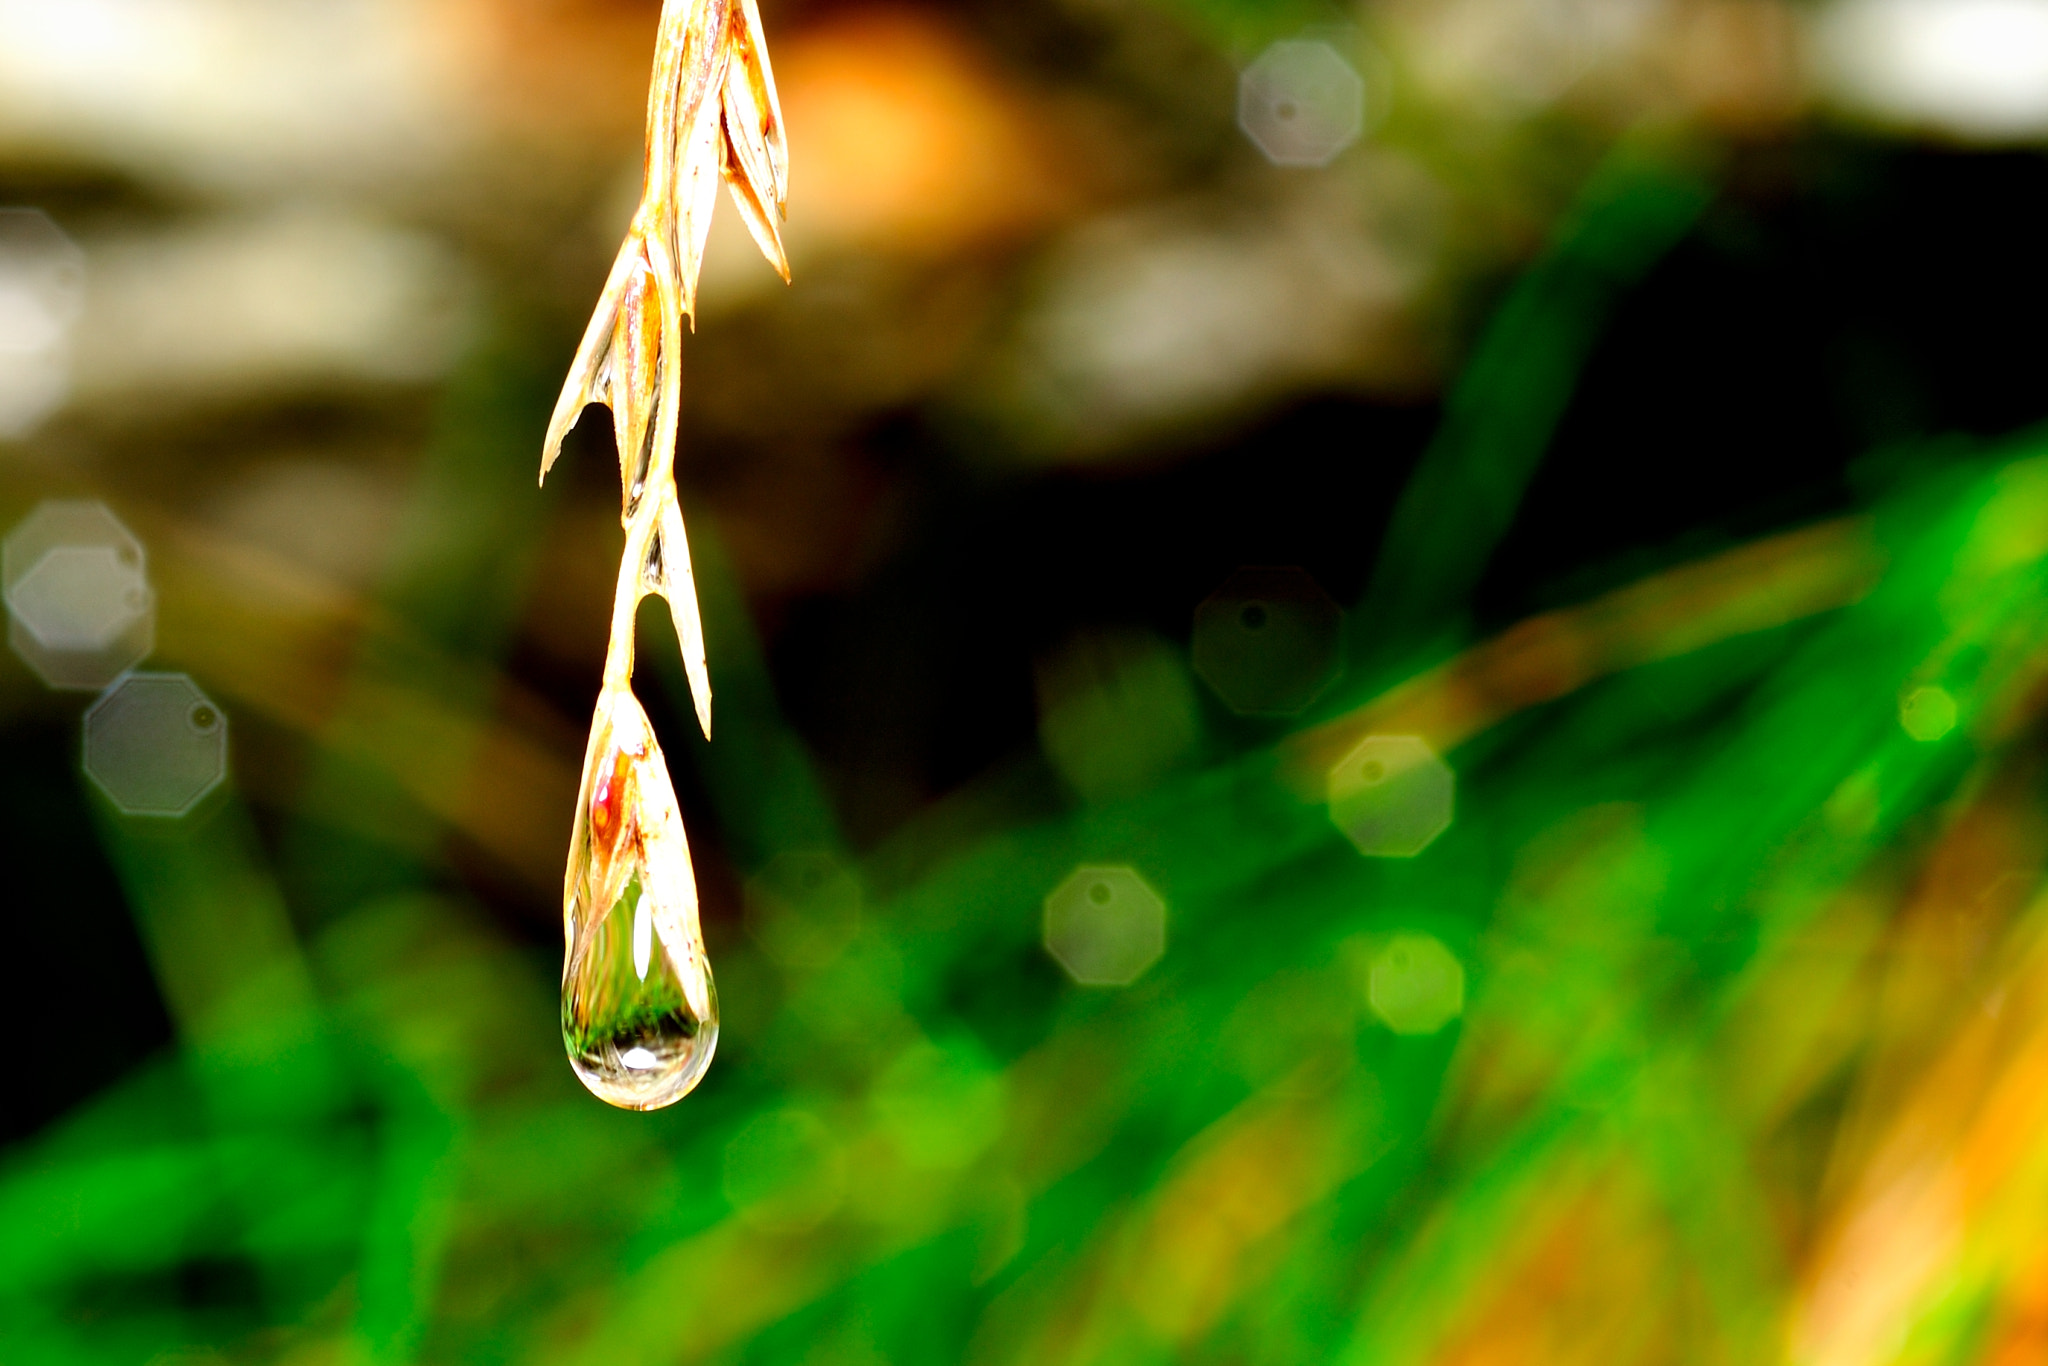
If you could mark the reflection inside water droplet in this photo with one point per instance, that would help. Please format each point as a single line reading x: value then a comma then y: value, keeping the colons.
x: 632, y: 1035
x: 643, y: 939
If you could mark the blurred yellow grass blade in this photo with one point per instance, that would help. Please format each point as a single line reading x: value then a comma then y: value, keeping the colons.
x: 1946, y: 1199
x: 1751, y: 588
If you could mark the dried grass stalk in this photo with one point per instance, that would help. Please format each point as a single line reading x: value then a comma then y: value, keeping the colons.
x: 712, y: 115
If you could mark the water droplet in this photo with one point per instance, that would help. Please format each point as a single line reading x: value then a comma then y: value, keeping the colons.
x: 639, y: 1013
x: 634, y: 1037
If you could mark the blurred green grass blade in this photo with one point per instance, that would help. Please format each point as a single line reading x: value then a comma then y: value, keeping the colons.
x: 1508, y: 399
x: 1243, y: 27
x: 226, y: 956
x: 451, y: 593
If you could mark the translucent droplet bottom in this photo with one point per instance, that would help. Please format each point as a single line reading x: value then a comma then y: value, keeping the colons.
x: 632, y: 1036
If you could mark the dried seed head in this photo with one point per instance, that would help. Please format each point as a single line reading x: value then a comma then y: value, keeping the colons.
x: 713, y: 116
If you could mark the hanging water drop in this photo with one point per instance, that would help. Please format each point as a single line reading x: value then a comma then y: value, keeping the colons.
x: 639, y: 1015
x: 639, y: 1011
